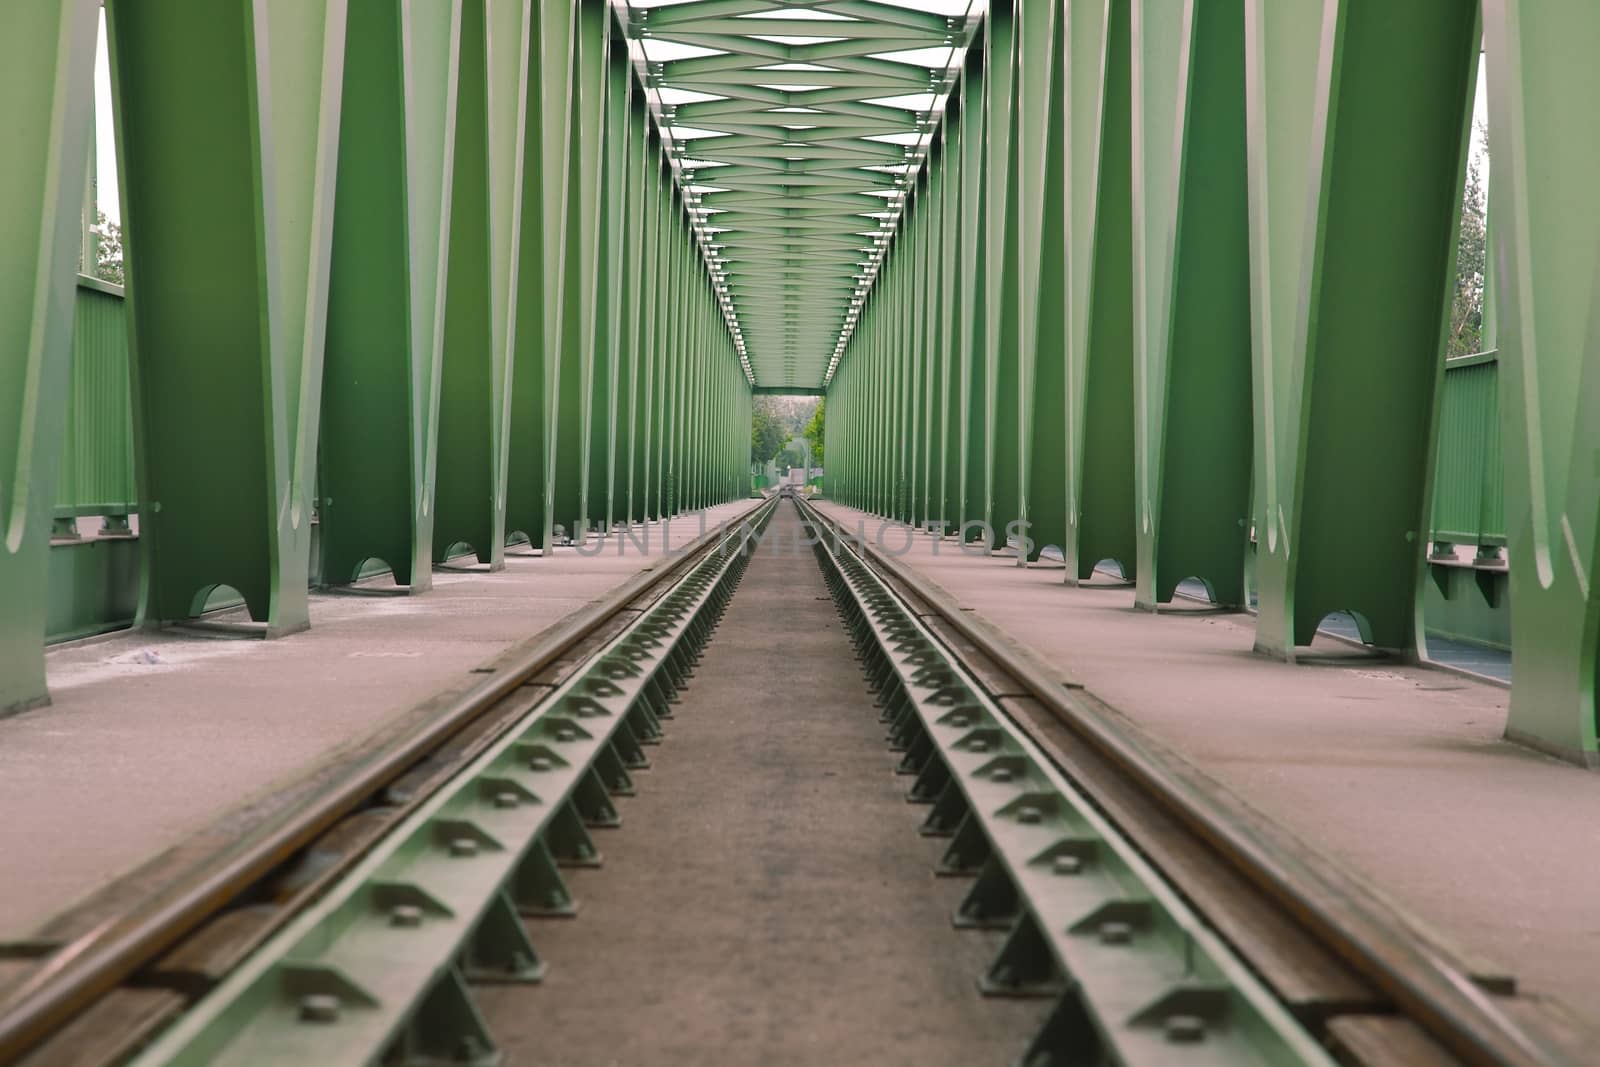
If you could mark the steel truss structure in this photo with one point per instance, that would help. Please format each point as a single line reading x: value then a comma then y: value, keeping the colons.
x: 1160, y: 281
x: 419, y: 272
x: 1170, y: 291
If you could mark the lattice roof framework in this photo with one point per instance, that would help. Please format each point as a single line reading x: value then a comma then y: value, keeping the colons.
x: 796, y: 129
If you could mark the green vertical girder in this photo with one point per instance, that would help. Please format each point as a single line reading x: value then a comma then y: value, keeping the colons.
x: 46, y: 81
x: 228, y: 126
x: 579, y: 265
x: 1545, y: 301
x: 1041, y: 246
x: 624, y: 507
x: 925, y: 485
x: 482, y: 291
x: 951, y: 360
x: 973, y: 374
x: 609, y: 296
x: 383, y: 357
x: 1099, y: 415
x: 646, y: 496
x: 541, y: 277
x: 1355, y: 185
x: 1191, y: 270
x: 1001, y: 355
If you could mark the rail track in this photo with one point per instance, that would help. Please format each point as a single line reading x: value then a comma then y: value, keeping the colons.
x: 145, y: 955
x: 1158, y: 924
x: 1351, y: 970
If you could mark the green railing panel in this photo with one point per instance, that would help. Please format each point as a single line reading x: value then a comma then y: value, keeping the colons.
x: 97, y: 461
x: 1469, y: 471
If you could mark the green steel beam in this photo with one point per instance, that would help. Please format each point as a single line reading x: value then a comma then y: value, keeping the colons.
x: 46, y: 79
x: 228, y: 129
x: 1351, y: 225
x: 1042, y: 244
x: 1545, y: 301
x: 636, y: 128
x: 1099, y: 415
x: 382, y: 364
x: 974, y: 372
x: 1191, y: 259
x: 930, y: 444
x: 580, y: 316
x: 1002, y: 310
x: 612, y: 297
x: 541, y: 276
x: 481, y: 289
x: 951, y: 351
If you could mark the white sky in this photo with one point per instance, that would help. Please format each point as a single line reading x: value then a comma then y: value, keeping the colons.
x: 105, y: 141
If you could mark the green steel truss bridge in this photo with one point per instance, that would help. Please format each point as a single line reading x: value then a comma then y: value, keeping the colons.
x: 1162, y: 283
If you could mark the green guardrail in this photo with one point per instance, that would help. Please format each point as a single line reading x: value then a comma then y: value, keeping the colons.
x: 97, y: 460
x: 1469, y: 474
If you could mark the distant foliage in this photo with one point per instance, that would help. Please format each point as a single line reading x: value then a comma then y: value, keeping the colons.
x: 767, y: 434
x: 774, y: 421
x: 109, y: 240
x: 815, y: 430
x: 1466, y: 310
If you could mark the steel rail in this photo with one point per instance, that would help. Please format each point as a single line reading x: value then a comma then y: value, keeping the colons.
x: 380, y: 964
x: 1137, y: 975
x: 99, y: 961
x: 1434, y: 991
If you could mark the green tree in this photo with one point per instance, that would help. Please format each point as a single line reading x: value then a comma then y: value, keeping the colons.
x: 1466, y: 308
x: 767, y: 435
x: 815, y: 431
x: 109, y: 242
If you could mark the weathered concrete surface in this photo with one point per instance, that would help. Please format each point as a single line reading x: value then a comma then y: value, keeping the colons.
x: 153, y: 734
x: 1399, y: 771
x: 767, y: 899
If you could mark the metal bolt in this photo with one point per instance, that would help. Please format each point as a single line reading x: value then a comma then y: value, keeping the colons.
x: 1000, y: 774
x: 565, y: 734
x: 520, y: 961
x: 555, y: 898
x: 1185, y: 1029
x: 1067, y: 864
x: 405, y: 915
x: 585, y: 850
x: 507, y: 799
x: 1029, y: 815
x: 463, y: 847
x: 470, y: 1048
x: 319, y: 1008
x: 1115, y: 933
x: 978, y: 744
x: 539, y: 763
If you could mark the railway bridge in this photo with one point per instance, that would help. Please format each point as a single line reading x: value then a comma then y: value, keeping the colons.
x: 1180, y: 646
